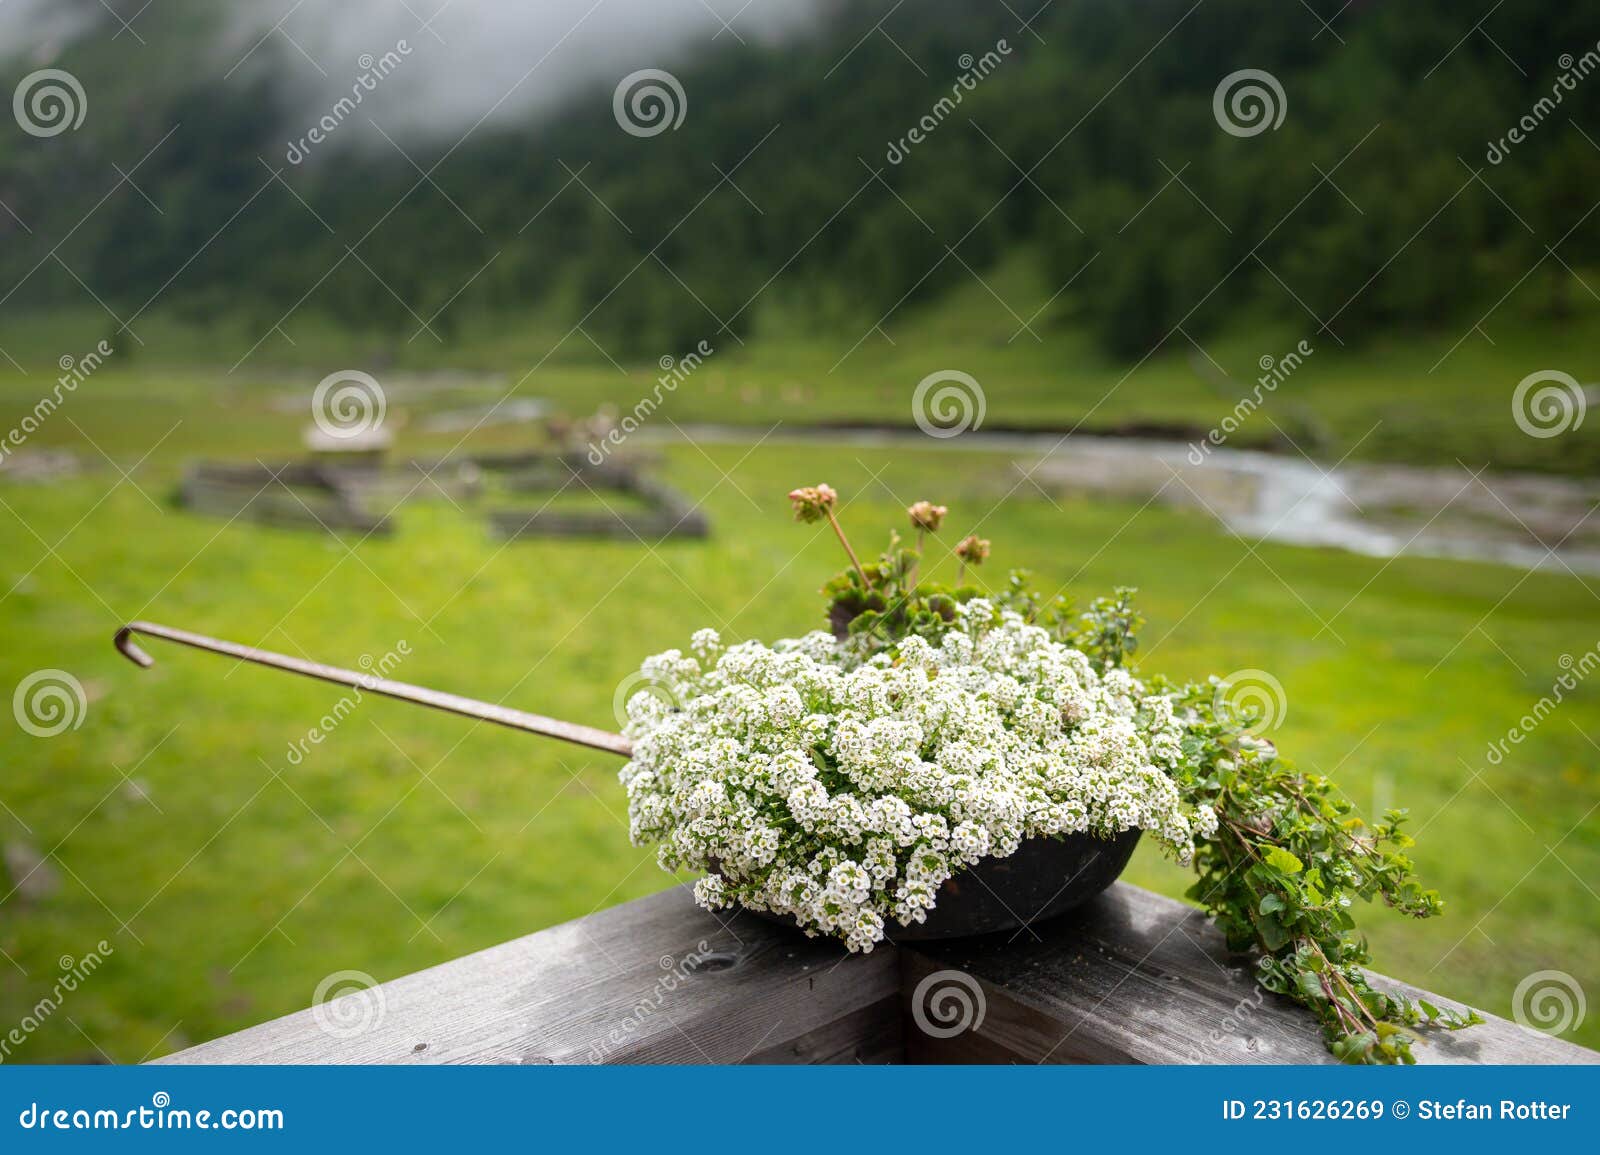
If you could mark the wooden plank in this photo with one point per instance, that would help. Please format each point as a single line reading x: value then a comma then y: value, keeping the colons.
x: 328, y: 511
x: 1133, y: 977
x: 873, y: 1036
x: 1130, y: 978
x: 652, y: 981
x: 622, y: 526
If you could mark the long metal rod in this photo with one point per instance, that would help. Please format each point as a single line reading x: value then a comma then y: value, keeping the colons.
x: 368, y: 684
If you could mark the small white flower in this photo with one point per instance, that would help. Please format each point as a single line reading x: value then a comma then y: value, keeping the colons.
x: 805, y: 781
x: 710, y: 892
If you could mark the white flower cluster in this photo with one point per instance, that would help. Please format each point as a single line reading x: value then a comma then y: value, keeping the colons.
x: 806, y: 782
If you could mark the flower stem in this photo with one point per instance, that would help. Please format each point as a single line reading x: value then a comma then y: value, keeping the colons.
x: 844, y: 541
x: 911, y: 577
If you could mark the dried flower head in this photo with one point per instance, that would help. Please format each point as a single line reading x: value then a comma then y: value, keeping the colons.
x: 973, y: 550
x: 926, y: 515
x: 813, y: 502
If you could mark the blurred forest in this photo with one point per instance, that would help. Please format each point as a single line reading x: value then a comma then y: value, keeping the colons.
x: 1078, y: 185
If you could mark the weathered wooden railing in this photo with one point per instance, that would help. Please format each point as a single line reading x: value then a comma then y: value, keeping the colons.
x: 1129, y: 978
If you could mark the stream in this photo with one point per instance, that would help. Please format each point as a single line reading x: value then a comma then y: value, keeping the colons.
x: 1531, y: 521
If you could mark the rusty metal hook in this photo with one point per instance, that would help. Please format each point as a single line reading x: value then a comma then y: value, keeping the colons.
x: 370, y: 684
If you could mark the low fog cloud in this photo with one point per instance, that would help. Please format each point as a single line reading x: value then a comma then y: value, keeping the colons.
x: 499, y: 61
x: 36, y: 30
x: 506, y: 58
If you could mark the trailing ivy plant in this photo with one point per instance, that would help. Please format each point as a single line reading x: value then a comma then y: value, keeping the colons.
x: 1289, y: 857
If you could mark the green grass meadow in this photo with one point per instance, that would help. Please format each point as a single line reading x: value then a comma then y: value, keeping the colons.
x: 1440, y: 396
x: 229, y: 879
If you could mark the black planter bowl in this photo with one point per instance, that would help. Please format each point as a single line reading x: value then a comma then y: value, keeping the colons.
x: 1044, y: 878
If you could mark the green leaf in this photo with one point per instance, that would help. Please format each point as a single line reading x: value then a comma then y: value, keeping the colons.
x: 1273, y: 936
x: 1279, y: 857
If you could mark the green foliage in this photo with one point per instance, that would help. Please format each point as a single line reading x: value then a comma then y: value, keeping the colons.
x: 1281, y: 873
x: 1107, y: 631
x: 883, y: 602
x: 1289, y: 855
